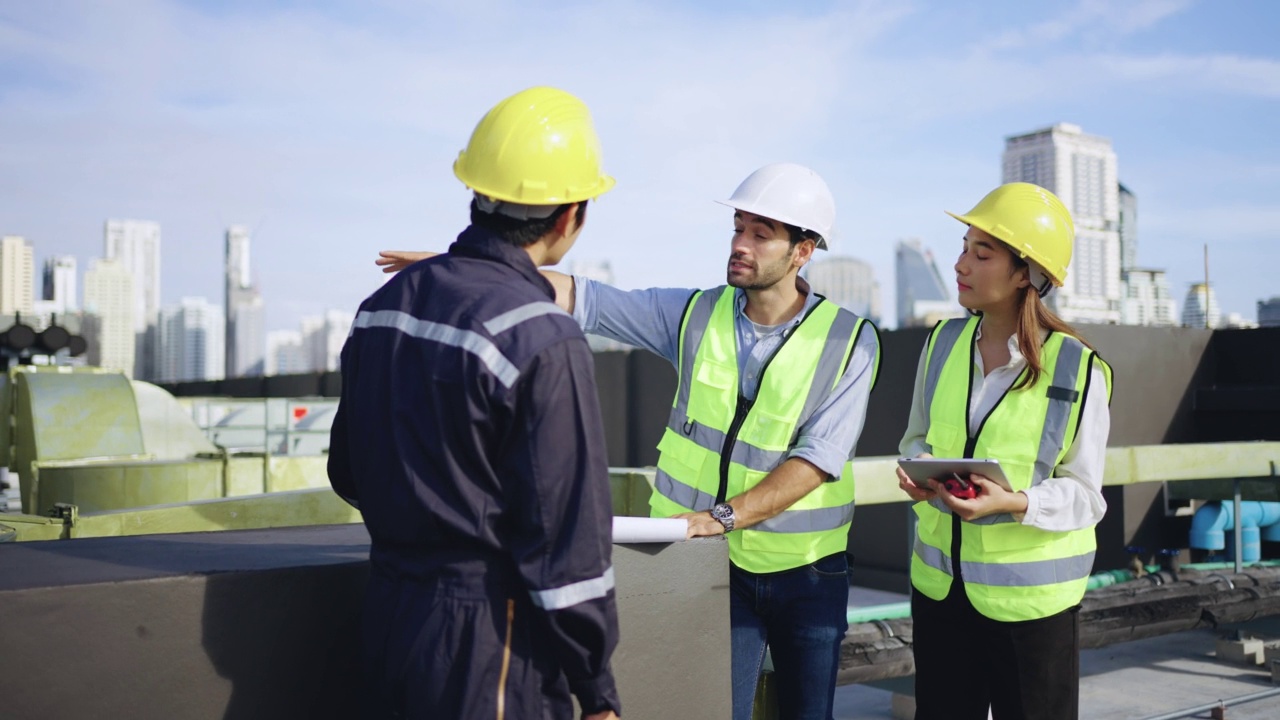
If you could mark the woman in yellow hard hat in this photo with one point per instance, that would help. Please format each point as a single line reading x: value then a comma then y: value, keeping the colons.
x: 1000, y: 564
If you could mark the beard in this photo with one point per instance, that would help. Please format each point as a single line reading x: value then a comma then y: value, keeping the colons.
x: 762, y: 277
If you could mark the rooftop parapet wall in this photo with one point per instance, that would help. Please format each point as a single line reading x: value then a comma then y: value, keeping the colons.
x: 266, y: 624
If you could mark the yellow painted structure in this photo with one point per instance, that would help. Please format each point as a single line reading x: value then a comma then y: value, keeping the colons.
x: 265, y: 492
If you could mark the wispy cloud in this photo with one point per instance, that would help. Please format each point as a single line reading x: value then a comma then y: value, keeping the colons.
x: 1093, y: 19
x: 1218, y: 74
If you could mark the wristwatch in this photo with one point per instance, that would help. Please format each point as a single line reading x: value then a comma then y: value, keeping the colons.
x: 723, y: 512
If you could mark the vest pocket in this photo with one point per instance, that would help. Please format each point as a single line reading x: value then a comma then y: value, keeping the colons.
x: 715, y: 375
x: 684, y: 452
x: 684, y: 461
x: 767, y: 431
x: 778, y: 543
x: 943, y: 436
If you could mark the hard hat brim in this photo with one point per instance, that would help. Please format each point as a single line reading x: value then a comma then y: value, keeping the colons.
x: 1022, y: 253
x: 821, y: 242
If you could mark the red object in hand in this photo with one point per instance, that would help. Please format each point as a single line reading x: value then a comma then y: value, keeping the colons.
x: 960, y: 487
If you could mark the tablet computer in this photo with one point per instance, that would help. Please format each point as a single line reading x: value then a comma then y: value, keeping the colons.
x: 921, y: 469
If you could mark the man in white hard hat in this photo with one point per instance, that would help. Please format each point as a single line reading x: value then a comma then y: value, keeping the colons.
x: 772, y: 394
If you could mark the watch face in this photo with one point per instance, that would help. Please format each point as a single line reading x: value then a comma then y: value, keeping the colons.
x: 724, y: 513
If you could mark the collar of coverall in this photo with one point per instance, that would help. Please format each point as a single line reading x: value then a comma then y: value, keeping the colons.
x: 475, y: 242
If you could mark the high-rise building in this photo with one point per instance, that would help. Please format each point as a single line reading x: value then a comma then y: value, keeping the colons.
x: 1148, y: 300
x: 285, y: 354
x: 848, y: 282
x: 109, y: 295
x: 1200, y: 308
x: 245, y: 324
x: 323, y: 337
x: 923, y: 296
x: 1128, y: 228
x: 135, y: 244
x: 59, y: 287
x: 17, y: 275
x: 191, y: 335
x: 1081, y: 170
x: 1269, y: 312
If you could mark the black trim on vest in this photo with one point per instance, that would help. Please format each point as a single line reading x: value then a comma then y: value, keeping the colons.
x: 684, y: 320
x: 1084, y: 397
x: 875, y: 360
x: 853, y: 347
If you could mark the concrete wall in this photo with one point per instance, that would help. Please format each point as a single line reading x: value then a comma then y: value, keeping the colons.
x: 252, y: 624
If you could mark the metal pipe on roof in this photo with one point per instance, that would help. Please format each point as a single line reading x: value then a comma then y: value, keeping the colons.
x: 1240, y: 700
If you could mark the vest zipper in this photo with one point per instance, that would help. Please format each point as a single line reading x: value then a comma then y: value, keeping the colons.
x: 726, y: 452
x: 971, y: 445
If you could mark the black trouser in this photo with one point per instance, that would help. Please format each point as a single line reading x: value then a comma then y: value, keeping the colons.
x: 449, y: 647
x: 966, y: 662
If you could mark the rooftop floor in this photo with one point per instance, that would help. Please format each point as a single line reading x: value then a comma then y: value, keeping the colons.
x: 1126, y: 681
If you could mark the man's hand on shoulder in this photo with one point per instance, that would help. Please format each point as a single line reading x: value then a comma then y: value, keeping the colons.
x: 393, y: 261
x: 606, y: 715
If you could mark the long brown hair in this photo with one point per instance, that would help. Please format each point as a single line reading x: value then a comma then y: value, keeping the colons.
x: 1033, y: 317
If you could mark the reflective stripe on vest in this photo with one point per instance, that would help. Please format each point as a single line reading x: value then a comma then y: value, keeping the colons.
x: 1010, y: 571
x: 1020, y: 574
x: 795, y: 382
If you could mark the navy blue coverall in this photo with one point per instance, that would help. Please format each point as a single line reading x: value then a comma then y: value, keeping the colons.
x: 469, y: 436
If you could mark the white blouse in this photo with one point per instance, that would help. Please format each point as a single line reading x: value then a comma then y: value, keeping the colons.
x: 1072, y: 498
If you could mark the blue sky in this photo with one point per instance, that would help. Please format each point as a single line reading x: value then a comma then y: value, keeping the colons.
x: 330, y: 127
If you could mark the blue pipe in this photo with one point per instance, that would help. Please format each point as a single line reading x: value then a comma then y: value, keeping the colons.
x: 1258, y: 521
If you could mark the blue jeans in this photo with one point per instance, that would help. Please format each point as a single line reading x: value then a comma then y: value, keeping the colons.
x: 801, y: 614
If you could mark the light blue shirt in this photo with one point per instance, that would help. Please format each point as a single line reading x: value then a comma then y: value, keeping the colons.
x: 650, y: 319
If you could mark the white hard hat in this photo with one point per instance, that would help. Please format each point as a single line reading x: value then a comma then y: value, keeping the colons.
x: 788, y: 193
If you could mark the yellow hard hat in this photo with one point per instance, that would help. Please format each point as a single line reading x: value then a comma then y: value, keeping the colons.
x: 537, y: 147
x: 1029, y: 219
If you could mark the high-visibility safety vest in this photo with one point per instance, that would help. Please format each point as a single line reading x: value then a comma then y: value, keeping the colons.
x: 718, y: 444
x: 1010, y: 571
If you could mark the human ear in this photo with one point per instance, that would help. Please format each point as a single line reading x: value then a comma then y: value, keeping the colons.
x: 1024, y: 277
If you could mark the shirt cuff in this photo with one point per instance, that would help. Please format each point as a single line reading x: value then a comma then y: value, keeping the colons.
x: 1033, y: 508
x: 915, y: 448
x: 597, y: 694
x: 824, y: 455
x: 584, y: 303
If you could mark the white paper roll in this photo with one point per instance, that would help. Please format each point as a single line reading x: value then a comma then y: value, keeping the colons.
x: 649, y: 530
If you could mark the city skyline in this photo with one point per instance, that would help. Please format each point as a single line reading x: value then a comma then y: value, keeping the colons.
x: 331, y: 131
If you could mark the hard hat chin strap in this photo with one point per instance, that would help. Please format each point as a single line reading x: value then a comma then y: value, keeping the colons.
x: 1039, y: 279
x: 519, y: 211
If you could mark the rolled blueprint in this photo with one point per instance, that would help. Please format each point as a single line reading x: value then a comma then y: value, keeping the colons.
x: 649, y: 530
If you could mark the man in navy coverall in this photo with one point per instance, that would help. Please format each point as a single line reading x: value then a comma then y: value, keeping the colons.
x: 469, y: 436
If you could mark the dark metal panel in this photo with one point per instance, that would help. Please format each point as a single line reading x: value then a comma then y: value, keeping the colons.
x: 611, y: 372
x: 651, y: 389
